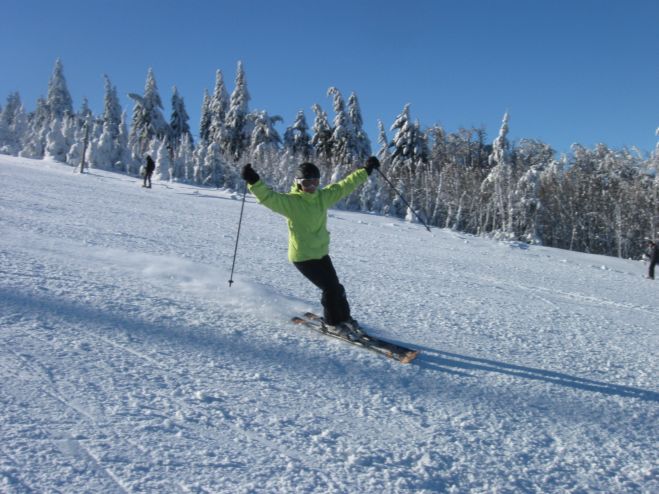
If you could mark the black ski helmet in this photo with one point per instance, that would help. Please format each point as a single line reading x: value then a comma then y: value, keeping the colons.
x: 307, y: 170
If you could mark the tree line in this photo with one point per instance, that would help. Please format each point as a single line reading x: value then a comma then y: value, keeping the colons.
x: 598, y: 200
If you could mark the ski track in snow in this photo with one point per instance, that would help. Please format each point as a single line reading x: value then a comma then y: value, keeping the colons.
x: 129, y: 365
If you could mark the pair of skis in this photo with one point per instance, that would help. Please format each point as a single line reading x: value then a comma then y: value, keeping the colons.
x: 368, y: 342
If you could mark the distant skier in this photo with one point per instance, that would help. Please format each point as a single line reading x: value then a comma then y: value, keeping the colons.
x: 653, y: 254
x: 148, y: 171
x: 305, y: 207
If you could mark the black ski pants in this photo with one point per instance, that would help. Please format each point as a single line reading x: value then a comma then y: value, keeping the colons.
x: 321, y: 273
x: 147, y: 177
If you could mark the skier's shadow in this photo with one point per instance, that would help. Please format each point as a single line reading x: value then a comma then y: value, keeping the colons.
x: 466, y: 365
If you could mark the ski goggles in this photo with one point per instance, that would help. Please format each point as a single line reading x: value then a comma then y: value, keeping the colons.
x: 308, y: 182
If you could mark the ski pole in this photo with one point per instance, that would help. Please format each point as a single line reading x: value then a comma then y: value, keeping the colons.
x: 403, y: 199
x: 240, y: 221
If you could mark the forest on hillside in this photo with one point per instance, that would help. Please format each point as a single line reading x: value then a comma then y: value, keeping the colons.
x: 600, y: 200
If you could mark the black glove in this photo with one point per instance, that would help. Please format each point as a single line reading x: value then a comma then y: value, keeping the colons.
x: 249, y: 174
x: 371, y: 164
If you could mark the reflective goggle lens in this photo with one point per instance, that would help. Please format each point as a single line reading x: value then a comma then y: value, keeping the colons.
x: 308, y: 182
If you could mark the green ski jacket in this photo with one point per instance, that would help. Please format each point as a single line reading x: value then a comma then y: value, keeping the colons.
x: 308, y: 237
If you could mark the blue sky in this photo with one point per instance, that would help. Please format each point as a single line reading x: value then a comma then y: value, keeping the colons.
x: 567, y: 71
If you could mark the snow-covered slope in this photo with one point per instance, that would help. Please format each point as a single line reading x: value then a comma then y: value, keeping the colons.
x: 127, y: 364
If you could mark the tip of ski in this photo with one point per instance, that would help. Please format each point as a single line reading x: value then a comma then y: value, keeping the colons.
x: 408, y: 357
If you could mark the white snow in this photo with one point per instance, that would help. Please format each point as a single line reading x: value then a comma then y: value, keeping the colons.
x: 127, y: 364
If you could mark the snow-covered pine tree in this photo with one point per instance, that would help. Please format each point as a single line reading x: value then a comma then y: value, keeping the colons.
x: 105, y: 149
x: 322, y: 142
x: 235, y: 141
x: 34, y: 142
x: 265, y: 143
x: 397, y: 207
x: 59, y: 100
x: 111, y: 109
x: 7, y: 144
x: 383, y: 153
x: 527, y: 191
x: 179, y: 121
x: 205, y: 120
x: 532, y: 156
x: 136, y: 138
x: 69, y: 127
x: 361, y: 145
x: 422, y: 191
x: 124, y: 161
x: 297, y: 141
x: 218, y: 109
x: 19, y: 129
x: 81, y: 137
x: 85, y: 114
x: 400, y: 144
x: 382, y: 191
x: 148, y: 121
x: 497, y: 187
x: 199, y: 163
x: 184, y: 159
x: 13, y: 125
x: 375, y: 194
x: 341, y: 135
x: 409, y: 145
x: 56, y: 148
x: 439, y: 176
x: 344, y: 146
x: 163, y: 160
x: 265, y: 140
x: 92, y: 158
x: 214, y: 166
x: 153, y: 106
x: 74, y: 132
x: 108, y: 152
x: 344, y: 153
x: 40, y: 117
x: 408, y: 157
x: 550, y: 219
x: 59, y: 107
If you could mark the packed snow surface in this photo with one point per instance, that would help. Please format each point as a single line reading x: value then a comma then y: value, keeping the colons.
x: 128, y: 364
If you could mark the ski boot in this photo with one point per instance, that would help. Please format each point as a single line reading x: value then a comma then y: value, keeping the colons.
x: 347, y: 329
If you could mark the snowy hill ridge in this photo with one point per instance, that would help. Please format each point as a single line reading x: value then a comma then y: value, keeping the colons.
x: 129, y: 365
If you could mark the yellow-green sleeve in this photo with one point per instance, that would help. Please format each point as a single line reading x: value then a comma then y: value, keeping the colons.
x: 275, y: 201
x: 337, y: 191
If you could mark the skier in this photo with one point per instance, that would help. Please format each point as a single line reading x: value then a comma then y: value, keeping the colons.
x: 653, y: 254
x: 305, y: 208
x: 148, y: 171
